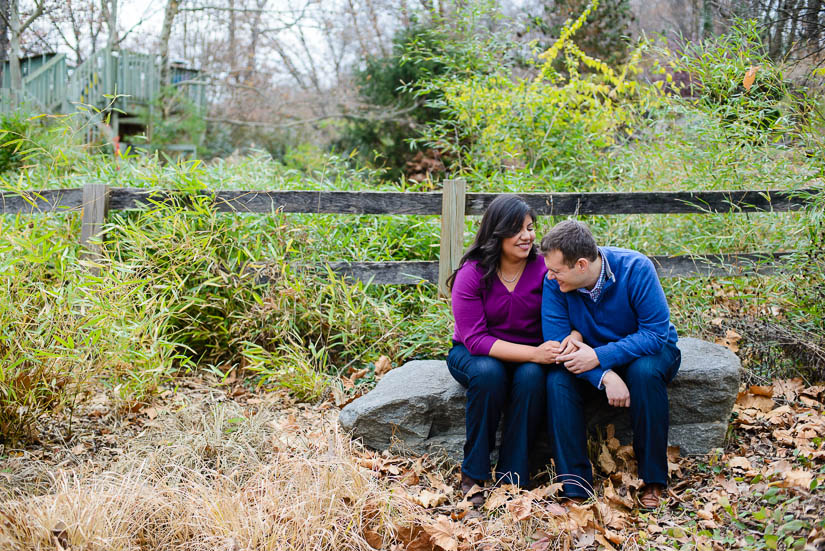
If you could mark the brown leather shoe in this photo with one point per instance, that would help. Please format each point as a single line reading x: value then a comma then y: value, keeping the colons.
x: 472, y: 491
x: 650, y: 496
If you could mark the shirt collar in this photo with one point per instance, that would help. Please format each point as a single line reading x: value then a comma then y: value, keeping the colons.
x: 605, y: 274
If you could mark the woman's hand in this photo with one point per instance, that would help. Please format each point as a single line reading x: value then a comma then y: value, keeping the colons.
x: 546, y: 352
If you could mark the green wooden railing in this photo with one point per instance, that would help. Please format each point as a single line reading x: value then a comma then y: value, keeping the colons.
x: 134, y: 77
x: 48, y: 84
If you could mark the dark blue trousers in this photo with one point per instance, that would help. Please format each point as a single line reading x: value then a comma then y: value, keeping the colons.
x: 646, y: 379
x: 494, y: 388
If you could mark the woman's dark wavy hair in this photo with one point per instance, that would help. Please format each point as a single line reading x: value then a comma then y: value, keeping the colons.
x: 503, y: 218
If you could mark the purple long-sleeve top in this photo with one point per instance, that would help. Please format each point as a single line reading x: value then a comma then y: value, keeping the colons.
x: 486, y: 313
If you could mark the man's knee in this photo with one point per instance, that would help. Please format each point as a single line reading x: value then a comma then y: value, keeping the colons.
x: 646, y: 370
x: 560, y: 383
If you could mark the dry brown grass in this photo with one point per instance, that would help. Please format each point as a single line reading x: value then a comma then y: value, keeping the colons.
x: 212, y: 479
x: 271, y: 475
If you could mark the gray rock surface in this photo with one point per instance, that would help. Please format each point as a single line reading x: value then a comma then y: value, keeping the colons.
x: 419, y: 407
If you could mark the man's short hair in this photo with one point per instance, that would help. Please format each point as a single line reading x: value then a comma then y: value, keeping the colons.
x: 573, y: 239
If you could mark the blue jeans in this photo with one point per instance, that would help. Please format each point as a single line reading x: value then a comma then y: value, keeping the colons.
x: 515, y: 390
x: 647, y: 379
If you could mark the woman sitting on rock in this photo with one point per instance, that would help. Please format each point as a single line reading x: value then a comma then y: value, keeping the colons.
x: 498, y: 354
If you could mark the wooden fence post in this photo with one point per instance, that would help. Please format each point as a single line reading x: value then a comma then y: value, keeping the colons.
x: 95, y: 210
x: 452, y: 231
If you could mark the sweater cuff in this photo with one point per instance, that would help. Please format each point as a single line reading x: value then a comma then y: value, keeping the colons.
x: 608, y: 356
x: 594, y: 376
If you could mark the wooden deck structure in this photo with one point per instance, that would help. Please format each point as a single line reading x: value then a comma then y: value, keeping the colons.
x: 51, y: 86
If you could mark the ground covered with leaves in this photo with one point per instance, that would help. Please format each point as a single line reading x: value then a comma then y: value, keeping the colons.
x: 218, y: 466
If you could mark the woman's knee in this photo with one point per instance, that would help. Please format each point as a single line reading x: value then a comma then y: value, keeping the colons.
x: 528, y: 379
x: 488, y: 374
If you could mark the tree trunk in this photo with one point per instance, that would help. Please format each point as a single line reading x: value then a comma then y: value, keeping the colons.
x: 4, y: 35
x: 172, y: 9
x: 232, y: 46
x: 15, y: 78
x: 792, y: 36
x: 110, y: 7
x: 251, y: 62
x: 707, y: 19
x: 813, y: 31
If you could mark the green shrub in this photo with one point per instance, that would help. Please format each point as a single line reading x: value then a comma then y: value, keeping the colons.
x: 15, y: 133
x: 736, y: 80
x: 390, y: 83
x: 553, y: 124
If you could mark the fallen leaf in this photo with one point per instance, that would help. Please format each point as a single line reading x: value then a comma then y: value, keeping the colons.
x: 761, y: 390
x: 606, y: 460
x: 442, y: 533
x: 520, y: 508
x: 409, y: 478
x: 581, y: 515
x: 704, y: 514
x: 730, y: 340
x: 556, y: 510
x: 602, y: 540
x: 60, y: 532
x: 740, y: 463
x: 551, y: 490
x: 797, y: 478
x: 781, y: 466
x: 496, y: 499
x: 613, y: 497
x: 750, y: 76
x: 613, y: 537
x: 358, y: 374
x: 788, y: 388
x: 586, y: 539
x: 746, y: 400
x: 625, y: 453
x: 612, y: 517
x: 428, y: 499
x: 382, y: 366
x: 421, y: 542
x: 541, y: 545
x: 374, y: 539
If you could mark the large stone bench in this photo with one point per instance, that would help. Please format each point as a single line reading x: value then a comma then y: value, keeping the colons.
x: 419, y: 407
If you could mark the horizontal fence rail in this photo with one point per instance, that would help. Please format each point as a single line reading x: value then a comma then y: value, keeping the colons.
x: 429, y: 203
x: 95, y: 200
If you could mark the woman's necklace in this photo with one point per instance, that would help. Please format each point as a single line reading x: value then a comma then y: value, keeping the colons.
x: 515, y: 277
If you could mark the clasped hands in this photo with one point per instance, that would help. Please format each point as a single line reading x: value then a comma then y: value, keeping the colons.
x: 579, y: 358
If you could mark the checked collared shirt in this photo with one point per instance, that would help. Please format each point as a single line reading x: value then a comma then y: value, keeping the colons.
x: 596, y: 291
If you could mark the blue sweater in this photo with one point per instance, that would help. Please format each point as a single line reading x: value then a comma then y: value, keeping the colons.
x: 630, y: 319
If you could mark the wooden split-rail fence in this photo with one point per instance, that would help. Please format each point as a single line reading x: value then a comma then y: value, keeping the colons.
x: 452, y: 204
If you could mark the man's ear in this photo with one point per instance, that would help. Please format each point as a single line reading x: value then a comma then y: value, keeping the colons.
x: 582, y: 264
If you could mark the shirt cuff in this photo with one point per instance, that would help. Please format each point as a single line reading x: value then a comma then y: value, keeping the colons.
x: 601, y: 379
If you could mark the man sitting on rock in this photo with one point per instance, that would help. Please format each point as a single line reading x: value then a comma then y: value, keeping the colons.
x: 614, y: 299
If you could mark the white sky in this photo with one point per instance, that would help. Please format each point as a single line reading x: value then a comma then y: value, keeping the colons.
x: 133, y: 11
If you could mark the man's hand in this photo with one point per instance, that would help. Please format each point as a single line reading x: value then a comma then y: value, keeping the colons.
x: 616, y: 389
x: 583, y: 359
x: 546, y: 352
x: 567, y: 346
